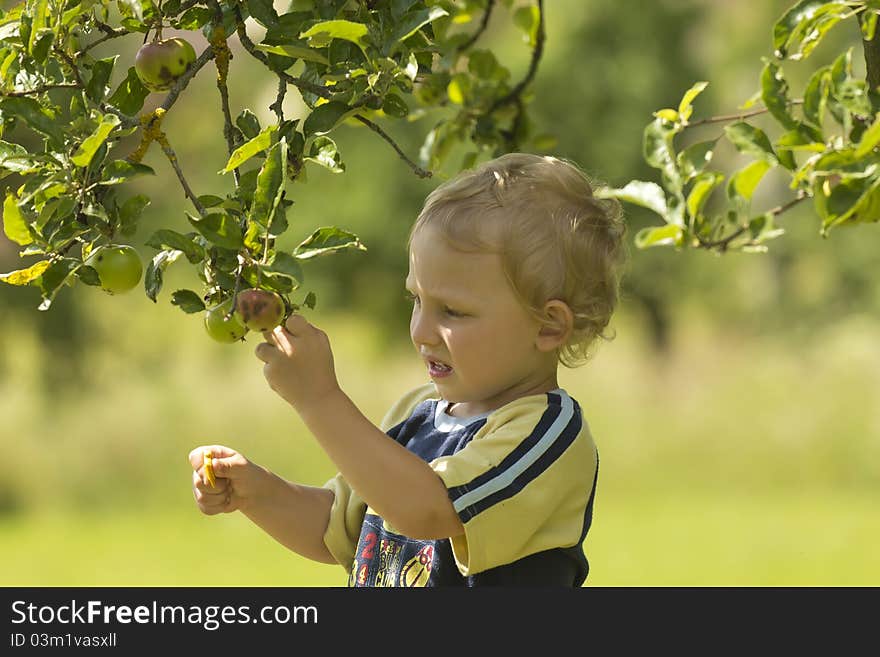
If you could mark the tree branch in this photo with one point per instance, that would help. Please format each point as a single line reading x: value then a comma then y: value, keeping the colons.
x: 172, y: 157
x: 222, y: 57
x: 737, y: 117
x: 109, y: 33
x: 724, y: 243
x: 420, y: 172
x: 299, y: 83
x: 872, y: 56
x: 41, y: 89
x: 533, y: 65
x: 484, y: 23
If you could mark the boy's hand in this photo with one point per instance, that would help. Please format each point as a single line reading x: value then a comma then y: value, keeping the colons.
x: 237, y: 481
x: 298, y: 362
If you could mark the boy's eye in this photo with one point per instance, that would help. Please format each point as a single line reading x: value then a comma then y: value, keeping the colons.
x: 452, y: 313
x: 412, y: 298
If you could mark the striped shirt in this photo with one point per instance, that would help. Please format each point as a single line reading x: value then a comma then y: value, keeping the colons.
x: 521, y: 479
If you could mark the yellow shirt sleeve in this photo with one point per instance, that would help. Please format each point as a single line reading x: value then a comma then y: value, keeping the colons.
x: 522, y: 484
x: 347, y: 513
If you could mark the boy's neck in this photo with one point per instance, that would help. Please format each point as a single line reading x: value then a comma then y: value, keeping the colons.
x: 470, y: 409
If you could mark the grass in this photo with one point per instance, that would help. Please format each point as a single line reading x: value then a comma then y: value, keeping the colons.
x: 660, y: 539
x: 731, y: 460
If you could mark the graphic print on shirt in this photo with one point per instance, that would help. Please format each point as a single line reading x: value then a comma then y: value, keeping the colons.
x: 384, y: 558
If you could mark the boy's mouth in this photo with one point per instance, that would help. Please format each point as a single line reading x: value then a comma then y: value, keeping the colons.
x: 438, y: 370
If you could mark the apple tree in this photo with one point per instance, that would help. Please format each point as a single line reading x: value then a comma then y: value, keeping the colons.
x: 825, y: 140
x: 67, y: 202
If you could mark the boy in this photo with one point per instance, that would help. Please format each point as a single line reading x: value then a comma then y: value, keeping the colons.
x: 487, y: 474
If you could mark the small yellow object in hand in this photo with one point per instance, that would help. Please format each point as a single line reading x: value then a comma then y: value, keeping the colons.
x: 209, y: 468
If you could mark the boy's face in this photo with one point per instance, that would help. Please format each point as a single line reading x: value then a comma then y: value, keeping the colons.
x: 477, y: 340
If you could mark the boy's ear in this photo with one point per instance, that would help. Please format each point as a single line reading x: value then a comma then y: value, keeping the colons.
x: 558, y: 323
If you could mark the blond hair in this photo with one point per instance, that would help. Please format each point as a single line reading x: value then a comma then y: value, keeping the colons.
x: 556, y: 239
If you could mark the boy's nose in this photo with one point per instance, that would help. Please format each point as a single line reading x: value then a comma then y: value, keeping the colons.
x: 422, y: 331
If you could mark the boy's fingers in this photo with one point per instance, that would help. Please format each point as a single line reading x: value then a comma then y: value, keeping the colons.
x: 197, y: 456
x: 296, y: 324
x: 266, y: 352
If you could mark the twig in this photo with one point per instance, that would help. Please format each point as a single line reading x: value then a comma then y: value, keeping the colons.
x: 722, y: 244
x: 277, y: 106
x: 533, y: 65
x: 484, y: 23
x: 420, y: 172
x: 172, y: 157
x: 735, y: 117
x: 222, y: 55
x: 299, y: 83
x: 109, y: 33
x: 39, y: 90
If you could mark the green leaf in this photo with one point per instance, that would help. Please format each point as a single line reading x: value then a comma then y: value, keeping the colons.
x: 325, y: 117
x: 670, y: 234
x: 97, y: 87
x: 743, y: 183
x: 321, y: 33
x: 763, y: 228
x: 774, y: 94
x: 14, y: 224
x: 294, y: 51
x: 802, y: 138
x: 250, y: 148
x: 286, y: 265
x: 411, y: 22
x: 218, y: 227
x: 750, y: 140
x: 694, y: 159
x: 38, y: 118
x: 685, y: 108
x: 15, y: 158
x: 120, y: 171
x: 248, y: 123
x: 856, y: 199
x: 646, y: 194
x: 165, y: 239
x: 528, y: 19
x: 815, y: 95
x: 153, y: 277
x: 194, y: 18
x: 323, y: 151
x: 395, y: 106
x: 326, y: 240
x: 270, y: 185
x: 704, y: 184
x: 131, y: 211
x: 130, y: 95
x: 86, y: 151
x: 870, y: 138
x: 26, y: 276
x: 263, y: 11
x: 804, y: 25
x: 188, y: 301
x: 657, y: 144
x: 53, y: 278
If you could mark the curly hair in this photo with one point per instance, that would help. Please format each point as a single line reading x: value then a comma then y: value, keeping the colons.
x: 556, y: 239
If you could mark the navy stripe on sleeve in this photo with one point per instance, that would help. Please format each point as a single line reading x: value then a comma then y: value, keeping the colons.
x: 556, y: 430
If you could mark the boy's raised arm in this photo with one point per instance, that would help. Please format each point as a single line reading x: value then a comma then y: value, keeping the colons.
x: 399, y: 485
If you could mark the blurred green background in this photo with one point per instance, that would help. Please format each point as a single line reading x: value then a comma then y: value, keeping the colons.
x: 736, y: 412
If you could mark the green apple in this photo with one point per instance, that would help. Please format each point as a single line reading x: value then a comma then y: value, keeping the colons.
x: 223, y: 326
x: 119, y: 267
x: 160, y: 63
